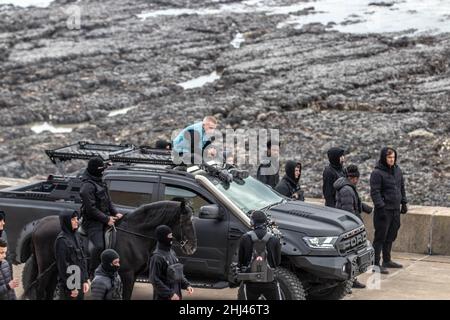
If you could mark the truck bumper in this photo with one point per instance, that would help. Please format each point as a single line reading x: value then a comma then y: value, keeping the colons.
x: 339, y: 267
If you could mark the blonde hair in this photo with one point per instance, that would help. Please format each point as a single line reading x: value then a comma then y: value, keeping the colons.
x: 210, y: 119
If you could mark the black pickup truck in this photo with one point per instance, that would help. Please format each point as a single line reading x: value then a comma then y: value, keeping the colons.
x: 323, y: 249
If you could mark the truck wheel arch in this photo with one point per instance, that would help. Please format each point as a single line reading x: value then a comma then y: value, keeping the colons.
x: 23, y: 248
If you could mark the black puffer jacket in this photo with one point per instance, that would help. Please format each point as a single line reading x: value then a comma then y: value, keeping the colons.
x: 331, y: 173
x: 387, y: 186
x: 289, y: 185
x: 3, y: 236
x: 269, y: 179
x: 163, y: 289
x: 6, y: 293
x: 69, y: 251
x: 97, y: 206
x: 106, y: 285
x: 347, y: 198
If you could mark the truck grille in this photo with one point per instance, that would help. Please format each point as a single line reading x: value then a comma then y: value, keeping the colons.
x: 352, y: 241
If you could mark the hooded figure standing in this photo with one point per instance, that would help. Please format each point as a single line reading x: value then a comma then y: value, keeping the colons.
x: 289, y: 185
x: 70, y: 259
x: 387, y: 189
x: 266, y: 172
x: 253, y: 290
x: 331, y: 173
x: 107, y: 284
x: 97, y: 210
x: 165, y: 272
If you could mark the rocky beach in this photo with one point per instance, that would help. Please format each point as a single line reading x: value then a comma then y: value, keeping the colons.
x: 325, y: 73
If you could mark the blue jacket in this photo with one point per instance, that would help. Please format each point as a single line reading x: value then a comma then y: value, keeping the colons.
x: 181, y: 143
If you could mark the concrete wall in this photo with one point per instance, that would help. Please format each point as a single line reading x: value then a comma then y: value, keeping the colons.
x: 424, y: 230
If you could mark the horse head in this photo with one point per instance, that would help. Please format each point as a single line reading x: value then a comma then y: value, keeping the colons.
x: 183, y: 228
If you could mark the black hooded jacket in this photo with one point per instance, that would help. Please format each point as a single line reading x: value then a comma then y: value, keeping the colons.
x: 289, y: 185
x: 331, y: 173
x: 97, y: 205
x: 269, y: 179
x: 246, y: 248
x: 69, y: 250
x: 163, y: 289
x: 387, y: 186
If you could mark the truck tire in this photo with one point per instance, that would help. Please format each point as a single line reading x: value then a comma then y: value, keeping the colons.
x: 290, y: 285
x: 336, y: 293
x: 29, y: 274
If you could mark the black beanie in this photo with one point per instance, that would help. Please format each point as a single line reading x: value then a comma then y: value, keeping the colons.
x: 2, y: 215
x: 162, y: 232
x: 163, y: 144
x: 96, y: 166
x: 107, y: 257
x: 258, y: 217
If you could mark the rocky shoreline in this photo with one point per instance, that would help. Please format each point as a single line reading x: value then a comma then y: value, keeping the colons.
x: 318, y: 86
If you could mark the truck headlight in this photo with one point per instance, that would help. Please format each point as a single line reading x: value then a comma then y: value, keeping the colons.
x: 320, y: 242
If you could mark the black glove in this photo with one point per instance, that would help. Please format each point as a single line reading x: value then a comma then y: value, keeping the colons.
x: 366, y: 208
x: 404, y: 208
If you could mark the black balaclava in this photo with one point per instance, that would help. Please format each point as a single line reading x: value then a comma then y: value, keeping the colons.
x: 334, y: 155
x: 96, y: 166
x: 258, y: 218
x: 163, y: 144
x: 107, y: 257
x: 290, y: 170
x: 64, y: 219
x: 383, y: 155
x: 162, y: 232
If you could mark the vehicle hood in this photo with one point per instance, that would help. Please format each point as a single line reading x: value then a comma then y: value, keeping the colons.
x: 312, y: 219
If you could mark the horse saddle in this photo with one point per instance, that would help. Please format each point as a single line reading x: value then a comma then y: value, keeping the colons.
x: 109, y: 237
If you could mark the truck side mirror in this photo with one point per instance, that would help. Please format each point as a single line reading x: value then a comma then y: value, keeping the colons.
x: 211, y: 211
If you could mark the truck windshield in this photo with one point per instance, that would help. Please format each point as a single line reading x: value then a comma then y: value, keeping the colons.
x: 249, y: 194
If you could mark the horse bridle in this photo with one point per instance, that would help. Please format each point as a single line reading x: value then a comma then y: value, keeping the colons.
x: 182, y: 243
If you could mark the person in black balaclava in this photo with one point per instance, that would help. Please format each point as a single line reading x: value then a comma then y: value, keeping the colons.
x: 97, y: 210
x: 266, y: 171
x: 163, y: 258
x: 289, y: 185
x: 107, y: 284
x: 69, y: 253
x: 331, y: 173
x: 253, y: 290
x: 387, y: 189
x: 163, y: 144
x: 4, y: 237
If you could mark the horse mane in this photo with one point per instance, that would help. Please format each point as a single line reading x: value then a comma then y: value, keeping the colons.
x: 154, y: 214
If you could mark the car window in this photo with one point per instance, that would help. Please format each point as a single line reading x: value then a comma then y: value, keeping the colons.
x: 194, y: 198
x: 131, y: 193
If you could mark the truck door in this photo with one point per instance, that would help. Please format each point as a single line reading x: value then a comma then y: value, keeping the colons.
x: 127, y: 195
x: 210, y: 259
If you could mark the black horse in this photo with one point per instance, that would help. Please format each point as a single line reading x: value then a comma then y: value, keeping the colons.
x: 134, y: 242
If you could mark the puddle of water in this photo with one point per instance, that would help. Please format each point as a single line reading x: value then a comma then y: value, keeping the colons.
x: 200, y: 81
x: 431, y: 16
x: 27, y: 3
x: 238, y: 40
x: 120, y: 111
x: 45, y: 126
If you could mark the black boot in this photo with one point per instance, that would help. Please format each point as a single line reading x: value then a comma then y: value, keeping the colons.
x: 391, y: 264
x: 380, y: 269
x: 357, y: 284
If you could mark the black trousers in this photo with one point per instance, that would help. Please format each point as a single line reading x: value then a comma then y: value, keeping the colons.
x: 387, y: 224
x: 254, y: 290
x: 95, y: 232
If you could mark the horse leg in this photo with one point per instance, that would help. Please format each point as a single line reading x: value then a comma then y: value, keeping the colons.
x: 128, y: 279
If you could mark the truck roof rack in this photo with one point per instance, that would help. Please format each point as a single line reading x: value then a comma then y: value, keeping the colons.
x: 125, y: 153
